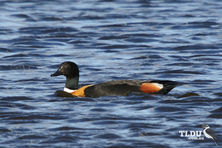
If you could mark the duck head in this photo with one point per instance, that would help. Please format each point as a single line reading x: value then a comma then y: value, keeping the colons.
x: 71, y: 71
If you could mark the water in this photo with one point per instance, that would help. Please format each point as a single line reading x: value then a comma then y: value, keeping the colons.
x: 109, y: 40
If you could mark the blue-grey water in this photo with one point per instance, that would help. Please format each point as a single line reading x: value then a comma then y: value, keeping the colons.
x: 178, y: 40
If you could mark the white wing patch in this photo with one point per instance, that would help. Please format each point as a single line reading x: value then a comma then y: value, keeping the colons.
x: 158, y: 85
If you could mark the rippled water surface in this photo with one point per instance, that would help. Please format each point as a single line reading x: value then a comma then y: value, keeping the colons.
x: 176, y: 40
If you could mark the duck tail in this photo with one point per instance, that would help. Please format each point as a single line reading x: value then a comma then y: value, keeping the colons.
x: 167, y: 85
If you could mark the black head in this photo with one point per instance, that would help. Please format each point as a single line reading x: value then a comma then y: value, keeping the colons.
x: 68, y: 69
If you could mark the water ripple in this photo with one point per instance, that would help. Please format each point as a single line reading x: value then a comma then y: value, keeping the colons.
x: 109, y: 39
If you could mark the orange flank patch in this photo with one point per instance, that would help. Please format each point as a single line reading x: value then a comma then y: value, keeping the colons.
x: 150, y: 87
x: 80, y: 92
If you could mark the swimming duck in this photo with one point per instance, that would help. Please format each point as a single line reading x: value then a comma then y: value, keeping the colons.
x: 110, y: 88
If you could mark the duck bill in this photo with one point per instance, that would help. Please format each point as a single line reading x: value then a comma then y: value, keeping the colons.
x: 57, y: 73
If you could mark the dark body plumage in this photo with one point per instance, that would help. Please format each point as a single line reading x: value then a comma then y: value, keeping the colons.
x: 124, y: 88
